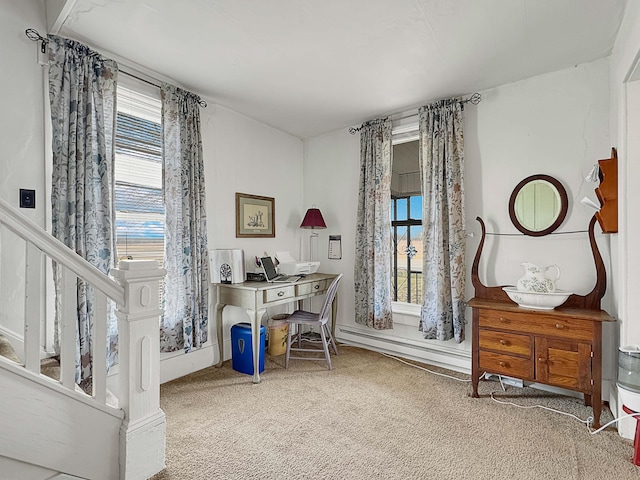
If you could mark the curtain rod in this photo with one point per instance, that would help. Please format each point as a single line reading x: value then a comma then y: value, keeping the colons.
x: 32, y: 34
x: 475, y: 99
x: 201, y: 102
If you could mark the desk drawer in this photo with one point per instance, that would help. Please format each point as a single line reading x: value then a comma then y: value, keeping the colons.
x: 508, y: 365
x: 277, y: 294
x: 506, y: 342
x: 311, y: 287
x: 537, y: 323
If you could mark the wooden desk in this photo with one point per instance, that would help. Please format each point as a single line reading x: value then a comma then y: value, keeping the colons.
x: 255, y: 297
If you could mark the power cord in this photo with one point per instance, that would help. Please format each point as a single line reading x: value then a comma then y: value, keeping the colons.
x: 427, y: 370
x: 587, y: 422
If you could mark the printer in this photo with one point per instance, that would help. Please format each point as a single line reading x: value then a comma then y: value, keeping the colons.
x: 290, y: 266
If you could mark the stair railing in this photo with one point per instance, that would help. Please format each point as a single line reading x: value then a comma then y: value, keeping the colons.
x: 135, y: 292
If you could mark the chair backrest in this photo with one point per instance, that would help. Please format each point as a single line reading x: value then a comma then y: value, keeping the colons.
x: 323, y: 316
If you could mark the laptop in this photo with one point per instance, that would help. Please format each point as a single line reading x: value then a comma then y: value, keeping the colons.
x: 272, y: 276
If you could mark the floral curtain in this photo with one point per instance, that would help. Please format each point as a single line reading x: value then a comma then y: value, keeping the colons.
x: 82, y: 92
x: 186, y: 286
x: 441, y: 155
x: 373, y: 229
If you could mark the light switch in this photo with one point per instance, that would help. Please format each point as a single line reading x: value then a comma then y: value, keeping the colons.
x: 27, y: 198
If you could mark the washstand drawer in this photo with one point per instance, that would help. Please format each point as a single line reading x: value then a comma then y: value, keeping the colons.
x: 506, y: 342
x: 312, y: 287
x: 281, y: 293
x: 537, y: 324
x: 509, y: 365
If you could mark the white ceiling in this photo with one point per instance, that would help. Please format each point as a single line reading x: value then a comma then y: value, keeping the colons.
x: 308, y: 67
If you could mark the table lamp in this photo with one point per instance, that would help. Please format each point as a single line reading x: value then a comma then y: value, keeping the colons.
x: 313, y: 219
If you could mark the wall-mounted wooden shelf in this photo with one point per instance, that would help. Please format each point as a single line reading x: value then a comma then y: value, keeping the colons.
x: 607, y: 193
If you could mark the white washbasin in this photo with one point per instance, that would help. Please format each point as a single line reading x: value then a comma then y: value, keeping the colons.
x: 537, y: 300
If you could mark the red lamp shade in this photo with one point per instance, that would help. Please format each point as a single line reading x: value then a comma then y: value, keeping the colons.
x: 313, y: 219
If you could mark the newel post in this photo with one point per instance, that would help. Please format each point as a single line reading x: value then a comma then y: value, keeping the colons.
x: 142, y: 434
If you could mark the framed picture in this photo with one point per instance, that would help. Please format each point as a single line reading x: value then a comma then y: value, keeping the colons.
x: 255, y: 216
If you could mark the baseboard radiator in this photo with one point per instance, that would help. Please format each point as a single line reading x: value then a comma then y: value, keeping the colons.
x: 438, y: 355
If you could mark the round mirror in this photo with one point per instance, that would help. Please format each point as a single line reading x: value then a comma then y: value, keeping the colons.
x: 538, y: 205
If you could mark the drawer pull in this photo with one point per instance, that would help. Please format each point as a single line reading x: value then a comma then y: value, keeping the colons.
x: 316, y: 287
x: 559, y: 326
x: 504, y: 342
x: 542, y: 360
x: 502, y: 364
x: 505, y: 320
x: 280, y: 293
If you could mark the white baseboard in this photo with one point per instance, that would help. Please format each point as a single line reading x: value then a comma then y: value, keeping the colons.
x: 438, y: 355
x: 178, y: 364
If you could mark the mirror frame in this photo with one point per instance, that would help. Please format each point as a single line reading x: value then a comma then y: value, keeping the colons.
x: 564, y: 205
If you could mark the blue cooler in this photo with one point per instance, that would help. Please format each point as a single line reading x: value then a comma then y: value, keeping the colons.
x: 241, y: 351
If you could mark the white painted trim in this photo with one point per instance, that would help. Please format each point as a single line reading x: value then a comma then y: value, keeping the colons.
x: 405, y: 309
x: 57, y: 12
x: 142, y: 447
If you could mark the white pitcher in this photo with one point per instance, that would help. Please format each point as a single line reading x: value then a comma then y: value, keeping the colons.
x: 535, y: 279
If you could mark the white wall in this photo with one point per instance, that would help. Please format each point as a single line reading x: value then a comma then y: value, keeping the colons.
x: 557, y: 124
x: 22, y: 139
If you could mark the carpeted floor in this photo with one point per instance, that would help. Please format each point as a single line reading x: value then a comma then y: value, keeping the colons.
x: 373, y: 417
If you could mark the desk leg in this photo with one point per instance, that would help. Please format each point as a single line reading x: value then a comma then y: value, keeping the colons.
x: 218, y: 316
x: 255, y: 316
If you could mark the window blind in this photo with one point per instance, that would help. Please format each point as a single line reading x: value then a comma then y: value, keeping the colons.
x: 138, y: 178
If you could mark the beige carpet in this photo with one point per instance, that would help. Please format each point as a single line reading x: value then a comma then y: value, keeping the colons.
x: 373, y: 417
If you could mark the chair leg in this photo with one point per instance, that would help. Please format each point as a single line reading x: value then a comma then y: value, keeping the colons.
x: 325, y: 346
x: 332, y: 342
x: 286, y: 357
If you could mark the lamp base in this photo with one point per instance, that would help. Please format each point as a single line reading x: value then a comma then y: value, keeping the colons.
x: 312, y: 243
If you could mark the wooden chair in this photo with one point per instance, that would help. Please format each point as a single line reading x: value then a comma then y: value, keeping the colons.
x: 321, y: 320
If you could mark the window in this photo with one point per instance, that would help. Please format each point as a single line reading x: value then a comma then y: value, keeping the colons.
x: 406, y: 225
x: 138, y: 177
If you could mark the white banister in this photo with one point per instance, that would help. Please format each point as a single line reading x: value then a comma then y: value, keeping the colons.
x: 142, y: 435
x: 32, y: 308
x: 99, y: 365
x: 68, y: 334
x: 33, y: 233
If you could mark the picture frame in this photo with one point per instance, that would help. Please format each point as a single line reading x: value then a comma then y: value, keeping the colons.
x: 255, y: 216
